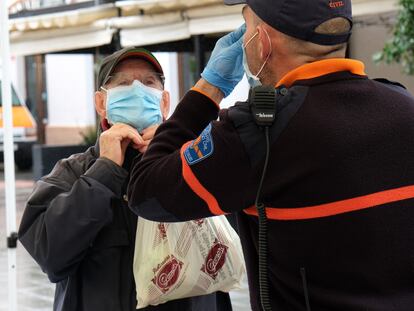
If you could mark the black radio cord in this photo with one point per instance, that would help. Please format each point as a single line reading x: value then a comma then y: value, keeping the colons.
x: 261, y: 210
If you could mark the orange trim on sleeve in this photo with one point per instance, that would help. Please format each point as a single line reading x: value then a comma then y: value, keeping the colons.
x: 321, y: 68
x: 339, y: 207
x: 206, y: 95
x: 197, y: 187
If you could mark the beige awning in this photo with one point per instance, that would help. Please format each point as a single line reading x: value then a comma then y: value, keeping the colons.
x: 58, y: 40
x: 214, y: 19
x: 72, y: 18
x: 370, y: 7
x: 134, y: 7
x: 143, y: 22
x: 200, y: 17
x: 178, y: 25
x: 155, y: 34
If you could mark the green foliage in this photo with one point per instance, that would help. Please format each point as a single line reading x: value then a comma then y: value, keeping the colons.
x: 400, y: 49
x: 89, y: 136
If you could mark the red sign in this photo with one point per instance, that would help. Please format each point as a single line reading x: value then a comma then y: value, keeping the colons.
x: 168, y: 274
x: 215, y: 259
x: 336, y: 4
x: 199, y: 222
x: 162, y: 230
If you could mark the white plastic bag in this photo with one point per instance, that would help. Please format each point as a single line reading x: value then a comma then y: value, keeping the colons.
x: 185, y: 259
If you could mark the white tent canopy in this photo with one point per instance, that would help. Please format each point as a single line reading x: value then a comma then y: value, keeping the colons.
x: 57, y: 40
x: 133, y: 7
x: 167, y: 27
x: 373, y: 7
x: 143, y: 22
x: 155, y: 34
x: 59, y: 20
x: 214, y: 19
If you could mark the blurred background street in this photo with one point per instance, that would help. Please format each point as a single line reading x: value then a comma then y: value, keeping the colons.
x: 56, y: 48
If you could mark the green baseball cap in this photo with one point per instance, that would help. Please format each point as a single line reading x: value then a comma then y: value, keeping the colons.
x: 109, y: 62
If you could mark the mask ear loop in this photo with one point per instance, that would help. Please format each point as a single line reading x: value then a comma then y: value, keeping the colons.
x: 268, y: 56
x: 248, y: 41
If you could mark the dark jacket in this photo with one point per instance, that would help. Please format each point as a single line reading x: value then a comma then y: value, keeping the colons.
x: 79, y: 229
x: 339, y: 189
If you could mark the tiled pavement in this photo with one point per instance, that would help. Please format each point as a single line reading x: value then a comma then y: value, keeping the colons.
x: 35, y: 292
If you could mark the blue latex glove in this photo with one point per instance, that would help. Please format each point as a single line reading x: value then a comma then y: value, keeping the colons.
x: 225, y: 67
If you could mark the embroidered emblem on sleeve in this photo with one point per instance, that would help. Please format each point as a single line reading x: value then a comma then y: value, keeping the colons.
x: 200, y: 148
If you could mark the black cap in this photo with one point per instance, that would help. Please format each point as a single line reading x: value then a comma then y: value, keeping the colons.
x: 109, y: 62
x: 300, y: 18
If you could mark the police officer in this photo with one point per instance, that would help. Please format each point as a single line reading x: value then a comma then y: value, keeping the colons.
x: 339, y: 187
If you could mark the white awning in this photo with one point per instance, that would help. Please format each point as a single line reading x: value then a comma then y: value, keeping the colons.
x: 47, y: 41
x: 178, y: 25
x: 214, y: 19
x: 162, y: 21
x: 72, y: 18
x: 151, y: 29
x: 370, y: 7
x: 133, y: 7
x: 155, y: 34
x: 201, y: 18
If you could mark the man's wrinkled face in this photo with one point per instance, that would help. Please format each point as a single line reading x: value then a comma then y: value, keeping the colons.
x: 124, y: 74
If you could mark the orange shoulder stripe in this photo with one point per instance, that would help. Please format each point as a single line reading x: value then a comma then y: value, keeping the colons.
x: 339, y: 207
x: 322, y: 67
x: 197, y: 187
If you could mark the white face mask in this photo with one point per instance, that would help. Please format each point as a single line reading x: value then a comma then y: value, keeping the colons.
x: 254, y: 80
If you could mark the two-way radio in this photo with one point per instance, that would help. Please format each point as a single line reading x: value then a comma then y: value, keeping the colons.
x: 262, y: 102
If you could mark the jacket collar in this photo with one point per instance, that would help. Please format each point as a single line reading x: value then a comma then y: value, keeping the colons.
x: 321, y: 68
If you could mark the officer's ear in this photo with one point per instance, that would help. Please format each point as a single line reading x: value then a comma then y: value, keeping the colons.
x: 165, y: 104
x: 265, y: 45
x: 100, y: 103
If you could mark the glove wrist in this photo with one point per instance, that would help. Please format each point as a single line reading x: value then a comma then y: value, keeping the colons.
x: 209, y: 90
x: 216, y: 80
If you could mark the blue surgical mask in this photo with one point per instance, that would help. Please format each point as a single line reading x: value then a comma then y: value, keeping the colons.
x: 137, y: 105
x: 254, y: 80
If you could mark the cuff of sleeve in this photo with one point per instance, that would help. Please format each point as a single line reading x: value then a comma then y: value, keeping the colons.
x: 199, y: 107
x: 206, y: 95
x: 109, y: 174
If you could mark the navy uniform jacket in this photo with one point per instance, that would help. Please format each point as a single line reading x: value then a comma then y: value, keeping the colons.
x: 339, y: 187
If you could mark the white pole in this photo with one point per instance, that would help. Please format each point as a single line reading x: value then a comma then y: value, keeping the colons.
x: 8, y: 153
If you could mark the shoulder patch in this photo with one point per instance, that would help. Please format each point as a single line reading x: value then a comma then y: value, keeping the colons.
x: 200, y: 148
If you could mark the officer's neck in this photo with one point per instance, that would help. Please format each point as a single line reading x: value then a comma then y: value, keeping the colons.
x: 280, y: 67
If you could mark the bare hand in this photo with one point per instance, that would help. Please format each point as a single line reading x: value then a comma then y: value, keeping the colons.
x: 147, y: 136
x: 114, y: 141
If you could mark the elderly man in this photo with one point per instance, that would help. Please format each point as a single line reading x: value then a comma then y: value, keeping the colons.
x: 320, y: 155
x: 77, y: 224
